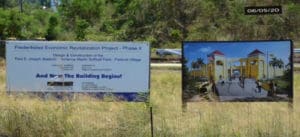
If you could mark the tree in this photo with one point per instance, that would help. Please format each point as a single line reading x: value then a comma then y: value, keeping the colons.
x: 89, y: 10
x: 3, y: 23
x: 80, y: 29
x: 8, y: 3
x: 16, y: 24
x: 51, y: 31
x: 164, y: 23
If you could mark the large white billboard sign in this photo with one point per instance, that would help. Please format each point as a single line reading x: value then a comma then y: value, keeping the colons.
x: 108, y: 67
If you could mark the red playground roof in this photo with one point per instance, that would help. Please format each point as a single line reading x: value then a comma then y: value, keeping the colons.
x: 256, y: 51
x: 217, y: 52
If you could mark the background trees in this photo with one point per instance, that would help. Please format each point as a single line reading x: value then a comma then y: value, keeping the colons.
x: 164, y: 23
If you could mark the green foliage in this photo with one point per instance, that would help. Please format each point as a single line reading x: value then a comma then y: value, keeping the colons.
x: 8, y: 3
x: 164, y: 23
x: 4, y: 21
x: 40, y: 19
x: 89, y: 10
x: 52, y: 31
x: 53, y: 22
x: 16, y: 23
x: 23, y: 25
x: 80, y: 29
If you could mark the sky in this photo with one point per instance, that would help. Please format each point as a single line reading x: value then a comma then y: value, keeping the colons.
x: 194, y: 50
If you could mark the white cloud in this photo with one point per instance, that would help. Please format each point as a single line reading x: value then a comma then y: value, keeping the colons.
x: 205, y: 49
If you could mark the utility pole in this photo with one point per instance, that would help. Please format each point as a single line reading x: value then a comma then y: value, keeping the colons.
x: 21, y: 5
x: 267, y: 63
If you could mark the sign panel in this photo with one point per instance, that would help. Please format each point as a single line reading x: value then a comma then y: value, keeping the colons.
x: 237, y: 71
x: 105, y: 67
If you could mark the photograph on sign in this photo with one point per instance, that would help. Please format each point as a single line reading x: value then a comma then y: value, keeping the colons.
x: 237, y: 71
x: 101, y: 68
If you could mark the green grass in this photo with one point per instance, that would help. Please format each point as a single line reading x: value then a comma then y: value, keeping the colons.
x: 30, y: 116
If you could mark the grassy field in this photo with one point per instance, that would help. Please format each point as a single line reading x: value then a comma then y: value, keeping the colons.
x: 27, y: 116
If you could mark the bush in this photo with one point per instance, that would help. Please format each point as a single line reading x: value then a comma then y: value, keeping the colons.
x: 80, y: 29
x: 52, y: 31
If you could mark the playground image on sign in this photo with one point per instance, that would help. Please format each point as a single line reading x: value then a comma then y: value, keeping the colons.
x: 237, y: 71
x: 120, y: 68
